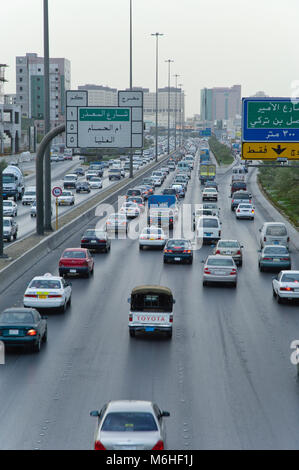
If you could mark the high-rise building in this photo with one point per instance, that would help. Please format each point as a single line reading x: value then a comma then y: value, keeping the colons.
x: 99, y: 95
x: 30, y: 88
x: 10, y: 122
x: 220, y: 103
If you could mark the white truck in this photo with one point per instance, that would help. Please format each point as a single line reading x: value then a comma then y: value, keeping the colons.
x: 13, y: 183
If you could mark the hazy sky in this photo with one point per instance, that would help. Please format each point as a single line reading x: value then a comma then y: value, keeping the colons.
x: 213, y: 42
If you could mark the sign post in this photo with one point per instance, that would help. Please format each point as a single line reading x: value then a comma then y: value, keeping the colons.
x: 56, y: 191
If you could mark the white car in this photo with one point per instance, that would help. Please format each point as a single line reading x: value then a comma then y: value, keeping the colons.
x: 130, y: 209
x: 244, y: 211
x: 157, y: 181
x: 54, y: 158
x: 66, y: 198
x: 117, y: 222
x: 208, y: 229
x: 48, y: 291
x: 95, y: 183
x: 10, y: 208
x: 152, y: 236
x: 70, y: 180
x: 286, y: 286
x: 210, y: 194
x: 29, y: 195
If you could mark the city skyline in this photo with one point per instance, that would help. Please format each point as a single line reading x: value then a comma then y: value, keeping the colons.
x: 208, y: 50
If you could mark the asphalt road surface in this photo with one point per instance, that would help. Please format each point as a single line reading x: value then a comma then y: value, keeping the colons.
x: 225, y: 376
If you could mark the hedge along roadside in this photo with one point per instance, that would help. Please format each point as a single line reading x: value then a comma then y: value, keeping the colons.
x: 45, y: 244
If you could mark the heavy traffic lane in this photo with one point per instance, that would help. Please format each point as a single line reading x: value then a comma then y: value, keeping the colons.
x: 225, y: 376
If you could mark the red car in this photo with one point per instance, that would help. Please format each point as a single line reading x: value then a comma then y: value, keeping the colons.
x: 76, y: 261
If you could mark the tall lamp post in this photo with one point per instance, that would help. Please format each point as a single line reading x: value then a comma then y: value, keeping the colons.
x: 131, y: 79
x: 168, y: 106
x: 175, y: 107
x: 181, y: 113
x: 47, y: 162
x: 157, y: 79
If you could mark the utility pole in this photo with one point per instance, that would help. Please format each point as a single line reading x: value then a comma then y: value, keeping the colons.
x: 181, y: 113
x: 168, y: 106
x: 131, y: 78
x: 157, y: 79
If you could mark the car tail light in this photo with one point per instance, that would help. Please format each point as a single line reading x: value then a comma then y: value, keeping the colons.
x: 238, y: 252
x: 168, y: 251
x: 99, y: 446
x: 252, y: 211
x: 267, y: 259
x: 31, y: 333
x: 130, y: 317
x: 54, y: 296
x: 265, y: 239
x: 207, y: 271
x: 219, y: 233
x: 217, y: 252
x: 101, y: 241
x: 288, y: 289
x: 238, y: 210
x: 249, y: 201
x: 233, y: 271
x: 171, y: 318
x: 288, y: 239
x: 85, y: 263
x: 84, y: 240
x: 30, y: 295
x: 159, y: 446
x: 187, y: 251
x: 285, y: 259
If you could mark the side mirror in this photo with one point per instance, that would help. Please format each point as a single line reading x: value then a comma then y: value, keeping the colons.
x: 165, y: 414
x: 259, y: 251
x: 94, y: 414
x: 275, y: 277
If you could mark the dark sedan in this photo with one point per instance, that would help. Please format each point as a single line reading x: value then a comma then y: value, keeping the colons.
x: 79, y: 171
x: 23, y: 327
x: 97, y: 240
x: 82, y: 186
x: 178, y: 250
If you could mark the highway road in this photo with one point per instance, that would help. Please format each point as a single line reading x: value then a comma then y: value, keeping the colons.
x: 225, y: 377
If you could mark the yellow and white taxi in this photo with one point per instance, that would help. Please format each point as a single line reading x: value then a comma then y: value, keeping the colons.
x: 48, y: 291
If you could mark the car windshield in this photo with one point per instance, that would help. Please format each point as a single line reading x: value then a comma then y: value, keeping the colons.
x: 210, y: 190
x: 94, y: 178
x: 276, y: 231
x: 220, y: 262
x: 45, y: 284
x: 16, y: 317
x: 241, y: 196
x: 74, y: 254
x: 7, y: 203
x: 178, y: 244
x: 230, y: 244
x: 245, y: 206
x: 70, y: 177
x: 276, y: 250
x: 288, y: 277
x: 6, y: 223
x: 208, y: 223
x: 30, y: 193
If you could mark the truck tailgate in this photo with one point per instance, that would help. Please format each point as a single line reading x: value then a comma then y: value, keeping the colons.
x: 145, y: 318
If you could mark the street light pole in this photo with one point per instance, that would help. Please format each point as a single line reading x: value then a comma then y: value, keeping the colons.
x: 131, y: 78
x: 181, y: 114
x: 47, y: 162
x: 175, y: 106
x: 168, y: 118
x: 157, y: 79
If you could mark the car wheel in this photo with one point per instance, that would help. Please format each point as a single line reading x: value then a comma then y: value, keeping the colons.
x: 279, y: 299
x: 234, y: 285
x: 45, y: 337
x: 169, y: 334
x: 261, y: 268
x: 140, y: 247
x: 37, y: 346
x: 63, y: 308
x: 15, y: 236
x: 204, y: 283
x: 274, y: 293
x: 69, y: 301
x: 132, y: 333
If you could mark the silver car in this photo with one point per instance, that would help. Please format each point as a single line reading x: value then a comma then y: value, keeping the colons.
x: 230, y: 248
x: 10, y: 208
x: 130, y: 425
x: 285, y: 286
x: 220, y: 269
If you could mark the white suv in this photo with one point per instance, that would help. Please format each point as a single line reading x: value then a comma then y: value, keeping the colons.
x: 208, y: 229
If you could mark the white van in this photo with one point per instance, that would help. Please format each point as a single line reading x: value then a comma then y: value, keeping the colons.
x: 208, y: 229
x: 239, y: 174
x: 274, y: 233
x: 29, y: 195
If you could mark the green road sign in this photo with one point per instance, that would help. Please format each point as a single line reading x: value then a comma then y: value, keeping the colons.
x: 273, y: 115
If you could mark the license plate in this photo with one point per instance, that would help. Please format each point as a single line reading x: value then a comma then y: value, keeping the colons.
x: 276, y: 260
x: 276, y: 242
x: 221, y: 273
x: 93, y: 241
x: 62, y: 200
x: 73, y: 270
x: 152, y: 238
x: 126, y: 448
x: 208, y: 234
x: 42, y: 296
x: 177, y: 259
x: 149, y: 328
x: 14, y: 332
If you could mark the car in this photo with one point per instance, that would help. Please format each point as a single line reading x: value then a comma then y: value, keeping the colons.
x: 169, y: 191
x: 274, y: 233
x: 70, y: 181
x: 211, y: 184
x: 29, y: 195
x: 285, y: 286
x: 60, y: 158
x: 180, y: 190
x: 79, y: 171
x: 54, y: 157
x: 245, y: 211
x: 209, y: 194
x: 231, y: 248
x: 153, y: 237
x: 95, y: 239
x: 95, y: 183
x: 220, y: 269
x: 82, y: 186
x: 240, y: 197
x: 137, y: 200
x: 158, y: 174
x: 116, y: 174
x: 208, y: 229
x: 33, y: 210
x: 130, y: 425
x: 178, y: 250
x: 157, y: 181
x: 10, y: 229
x: 68, y: 156
x: 10, y: 208
x: 130, y: 209
x: 66, y: 198
x: 237, y: 186
x: 48, y: 292
x: 23, y: 327
x: 133, y: 192
x: 76, y: 261
x: 274, y: 257
x: 117, y: 222
x: 213, y: 206
x: 90, y: 174
x: 199, y: 213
